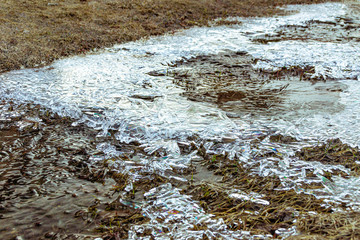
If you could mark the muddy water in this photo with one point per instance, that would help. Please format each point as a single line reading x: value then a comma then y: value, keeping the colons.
x: 191, y: 102
x: 231, y: 81
x: 44, y: 167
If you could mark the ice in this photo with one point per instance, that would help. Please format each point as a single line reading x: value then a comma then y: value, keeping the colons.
x: 112, y: 90
x: 166, y: 204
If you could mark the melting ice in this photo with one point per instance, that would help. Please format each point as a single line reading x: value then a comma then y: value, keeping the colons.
x: 112, y: 90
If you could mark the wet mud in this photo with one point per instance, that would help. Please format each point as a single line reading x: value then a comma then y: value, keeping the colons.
x: 223, y: 78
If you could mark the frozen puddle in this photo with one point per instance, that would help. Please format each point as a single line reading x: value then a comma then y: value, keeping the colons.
x: 112, y: 90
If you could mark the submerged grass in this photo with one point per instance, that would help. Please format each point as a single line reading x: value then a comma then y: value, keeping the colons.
x: 333, y: 152
x: 249, y: 202
x: 252, y: 203
x: 333, y: 226
x: 35, y: 33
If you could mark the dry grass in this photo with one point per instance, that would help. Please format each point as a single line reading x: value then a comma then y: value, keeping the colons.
x: 243, y: 214
x: 334, y: 226
x: 36, y: 32
x: 333, y: 152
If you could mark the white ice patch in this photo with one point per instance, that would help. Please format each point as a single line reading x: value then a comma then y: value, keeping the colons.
x: 174, y: 216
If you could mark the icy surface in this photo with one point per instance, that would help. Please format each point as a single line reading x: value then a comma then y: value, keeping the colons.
x: 167, y: 205
x: 115, y: 82
x: 112, y: 90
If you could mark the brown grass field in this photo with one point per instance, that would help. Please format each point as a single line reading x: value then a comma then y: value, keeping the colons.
x: 36, y: 32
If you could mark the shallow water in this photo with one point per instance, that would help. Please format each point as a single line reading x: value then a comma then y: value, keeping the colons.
x: 41, y: 188
x: 115, y: 90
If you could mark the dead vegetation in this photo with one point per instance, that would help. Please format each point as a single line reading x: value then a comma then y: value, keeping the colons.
x: 333, y: 226
x: 35, y: 33
x: 333, y: 152
x: 243, y: 200
x: 262, y: 209
x: 249, y: 202
x: 258, y: 207
x: 224, y: 78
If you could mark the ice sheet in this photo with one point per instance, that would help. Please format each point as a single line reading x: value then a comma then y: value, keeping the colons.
x: 112, y: 90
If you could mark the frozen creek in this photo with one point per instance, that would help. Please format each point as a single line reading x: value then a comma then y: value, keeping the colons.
x: 130, y: 93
